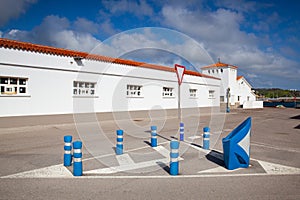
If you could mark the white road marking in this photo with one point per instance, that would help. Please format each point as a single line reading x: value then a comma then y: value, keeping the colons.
x: 194, y: 137
x: 219, y: 169
x: 164, y: 152
x: 272, y: 168
x: 272, y: 147
x: 55, y: 171
x: 124, y: 159
x: 121, y: 168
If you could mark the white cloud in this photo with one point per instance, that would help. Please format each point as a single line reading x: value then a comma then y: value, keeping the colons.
x: 12, y: 9
x: 56, y: 31
x: 84, y: 25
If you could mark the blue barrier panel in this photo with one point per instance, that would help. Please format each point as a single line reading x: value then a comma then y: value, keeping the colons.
x: 119, y: 147
x: 174, y: 154
x: 206, y: 136
x: 153, y: 136
x: 181, y: 131
x: 68, y: 149
x: 236, y: 146
x: 77, y: 153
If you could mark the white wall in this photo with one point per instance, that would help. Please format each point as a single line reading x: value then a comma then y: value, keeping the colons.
x: 50, y: 86
x: 244, y: 91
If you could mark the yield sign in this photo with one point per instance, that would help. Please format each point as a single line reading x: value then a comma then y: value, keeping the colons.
x: 180, y: 72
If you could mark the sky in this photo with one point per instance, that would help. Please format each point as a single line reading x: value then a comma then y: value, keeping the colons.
x: 261, y: 37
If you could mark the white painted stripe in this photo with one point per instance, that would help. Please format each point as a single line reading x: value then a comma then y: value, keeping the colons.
x: 194, y: 137
x: 124, y: 159
x: 273, y: 147
x: 67, y: 152
x: 154, y: 137
x: 218, y: 170
x: 272, y: 168
x: 154, y: 131
x: 122, y: 168
x: 119, y: 136
x: 205, y: 138
x: 77, y: 159
x: 120, y: 143
x: 174, y: 151
x: 55, y: 171
x: 163, y: 151
x: 68, y: 144
x: 77, y: 151
x: 174, y: 159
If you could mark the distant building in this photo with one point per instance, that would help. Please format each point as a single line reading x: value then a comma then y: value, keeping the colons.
x: 43, y: 80
x: 239, y: 87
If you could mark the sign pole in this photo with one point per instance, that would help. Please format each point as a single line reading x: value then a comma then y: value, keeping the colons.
x: 179, y: 72
x: 179, y: 107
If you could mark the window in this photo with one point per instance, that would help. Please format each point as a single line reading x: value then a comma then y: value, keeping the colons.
x: 209, y: 71
x: 211, y: 94
x: 221, y: 98
x: 134, y: 91
x: 221, y: 70
x: 81, y: 88
x: 13, y: 86
x: 168, y: 92
x: 239, y: 98
x: 213, y: 71
x: 193, y: 93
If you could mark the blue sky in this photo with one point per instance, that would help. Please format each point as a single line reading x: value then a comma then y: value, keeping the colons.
x: 261, y: 37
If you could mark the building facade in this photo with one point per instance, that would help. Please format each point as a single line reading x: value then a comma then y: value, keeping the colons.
x: 240, y: 91
x: 42, y: 80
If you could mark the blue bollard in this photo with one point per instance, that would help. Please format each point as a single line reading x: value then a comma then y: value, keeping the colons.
x: 77, y: 154
x: 174, y: 154
x: 68, y: 149
x: 119, y: 147
x: 181, y: 131
x: 153, y: 136
x: 206, y: 136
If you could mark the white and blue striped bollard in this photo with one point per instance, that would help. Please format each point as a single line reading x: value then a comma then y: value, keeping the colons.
x: 174, y: 154
x: 153, y: 136
x: 181, y: 131
x: 206, y: 136
x: 68, y: 149
x: 77, y: 154
x: 119, y: 147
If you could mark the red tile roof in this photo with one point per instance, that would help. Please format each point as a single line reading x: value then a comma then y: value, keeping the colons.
x: 13, y: 44
x: 219, y: 64
x: 239, y: 77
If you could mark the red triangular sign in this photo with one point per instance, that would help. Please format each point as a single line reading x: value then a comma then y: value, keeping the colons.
x: 180, y: 72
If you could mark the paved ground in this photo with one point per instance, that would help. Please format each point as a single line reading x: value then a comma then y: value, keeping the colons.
x: 31, y: 151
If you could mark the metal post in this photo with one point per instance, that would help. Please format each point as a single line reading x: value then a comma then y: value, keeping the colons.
x: 179, y: 107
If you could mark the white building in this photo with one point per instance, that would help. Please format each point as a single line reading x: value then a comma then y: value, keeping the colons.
x: 42, y: 80
x: 240, y: 90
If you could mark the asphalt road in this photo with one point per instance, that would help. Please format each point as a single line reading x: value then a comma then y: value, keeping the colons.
x: 34, y: 143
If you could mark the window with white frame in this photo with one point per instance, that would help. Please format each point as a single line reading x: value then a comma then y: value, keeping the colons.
x: 13, y: 86
x: 193, y: 93
x: 168, y: 92
x: 81, y: 88
x: 134, y: 91
x: 211, y: 94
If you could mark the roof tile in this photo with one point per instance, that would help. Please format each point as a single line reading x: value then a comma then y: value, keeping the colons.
x: 13, y: 44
